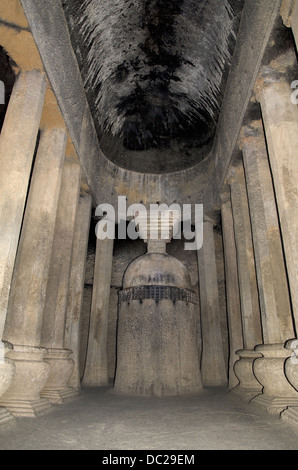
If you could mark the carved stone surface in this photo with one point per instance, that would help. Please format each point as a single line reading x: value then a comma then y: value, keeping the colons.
x: 56, y: 389
x: 31, y: 373
x: 157, y: 293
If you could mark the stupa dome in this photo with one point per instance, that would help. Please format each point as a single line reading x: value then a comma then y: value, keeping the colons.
x: 157, y: 269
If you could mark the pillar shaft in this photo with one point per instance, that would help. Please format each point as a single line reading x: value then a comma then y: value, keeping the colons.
x: 17, y: 145
x: 232, y: 289
x: 27, y: 300
x: 281, y: 127
x: 214, y: 371
x: 53, y: 327
x: 251, y: 319
x: 56, y: 389
x: 76, y: 285
x: 271, y: 274
x: 280, y: 118
x: 96, y: 370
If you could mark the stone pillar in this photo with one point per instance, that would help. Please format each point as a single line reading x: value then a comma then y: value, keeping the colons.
x: 76, y: 286
x: 275, y: 305
x: 290, y: 415
x: 96, y: 369
x: 27, y: 299
x: 232, y: 289
x: 17, y: 145
x: 281, y: 127
x: 214, y: 371
x: 270, y: 266
x: 249, y: 387
x: 280, y: 118
x: 56, y: 389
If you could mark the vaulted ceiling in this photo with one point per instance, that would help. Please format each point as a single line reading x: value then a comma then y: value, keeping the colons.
x: 154, y: 72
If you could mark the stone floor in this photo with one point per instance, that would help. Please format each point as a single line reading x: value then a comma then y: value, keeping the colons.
x: 100, y: 420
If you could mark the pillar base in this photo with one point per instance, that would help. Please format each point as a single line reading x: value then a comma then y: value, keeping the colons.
x: 56, y: 389
x: 6, y: 417
x: 27, y: 408
x: 278, y: 393
x: 291, y: 366
x: 7, y: 369
x: 290, y: 416
x: 246, y: 394
x: 22, y: 398
x: 248, y: 387
x: 274, y: 405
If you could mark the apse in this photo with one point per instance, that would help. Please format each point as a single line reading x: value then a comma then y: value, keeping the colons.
x: 154, y: 73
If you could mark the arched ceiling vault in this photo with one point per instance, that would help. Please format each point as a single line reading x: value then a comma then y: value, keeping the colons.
x: 155, y: 74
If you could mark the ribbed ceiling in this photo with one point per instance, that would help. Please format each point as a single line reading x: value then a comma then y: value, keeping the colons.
x: 154, y: 73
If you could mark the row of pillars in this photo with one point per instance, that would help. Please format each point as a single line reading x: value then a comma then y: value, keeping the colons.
x: 260, y: 238
x: 45, y: 222
x: 260, y: 235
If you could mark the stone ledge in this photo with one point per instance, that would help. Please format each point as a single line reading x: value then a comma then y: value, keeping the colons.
x: 27, y: 408
x: 290, y: 416
x: 58, y: 397
x: 6, y: 417
x: 274, y: 405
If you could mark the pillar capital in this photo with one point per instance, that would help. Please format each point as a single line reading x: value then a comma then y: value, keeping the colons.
x: 276, y: 74
x: 235, y: 173
x: 250, y: 133
x: 214, y: 371
x: 286, y: 11
x: 225, y: 195
x: 225, y: 199
x: 209, y: 220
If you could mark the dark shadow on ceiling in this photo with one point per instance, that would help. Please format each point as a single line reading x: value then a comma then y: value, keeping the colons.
x: 154, y: 74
